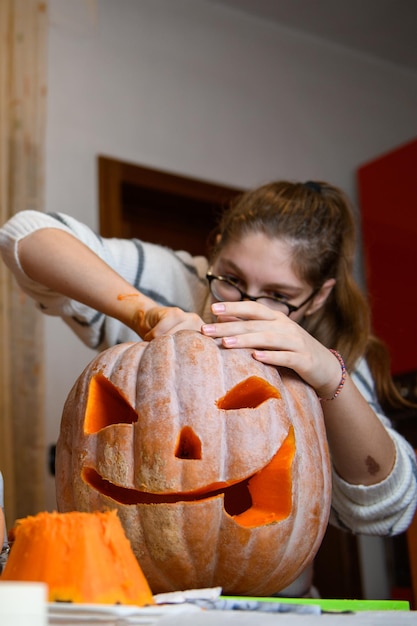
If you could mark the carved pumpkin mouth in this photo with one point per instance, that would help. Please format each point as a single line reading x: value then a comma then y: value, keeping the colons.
x: 262, y: 498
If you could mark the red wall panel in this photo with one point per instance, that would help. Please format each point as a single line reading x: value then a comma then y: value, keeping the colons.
x: 388, y: 203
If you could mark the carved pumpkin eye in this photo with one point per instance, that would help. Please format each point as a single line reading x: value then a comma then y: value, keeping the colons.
x: 106, y: 406
x: 248, y: 394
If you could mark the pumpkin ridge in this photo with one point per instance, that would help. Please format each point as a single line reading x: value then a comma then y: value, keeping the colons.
x: 224, y: 438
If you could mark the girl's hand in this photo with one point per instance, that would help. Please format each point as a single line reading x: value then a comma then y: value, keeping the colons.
x: 160, y: 320
x: 362, y: 451
x: 276, y: 340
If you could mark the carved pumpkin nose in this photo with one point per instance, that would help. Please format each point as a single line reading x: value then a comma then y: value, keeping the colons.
x: 189, y: 445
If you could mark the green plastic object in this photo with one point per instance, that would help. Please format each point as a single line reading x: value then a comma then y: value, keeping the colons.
x: 335, y: 605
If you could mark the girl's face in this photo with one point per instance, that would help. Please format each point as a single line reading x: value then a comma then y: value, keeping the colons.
x: 260, y: 265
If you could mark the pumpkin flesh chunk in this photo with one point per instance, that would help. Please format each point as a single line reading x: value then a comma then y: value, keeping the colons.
x: 82, y: 557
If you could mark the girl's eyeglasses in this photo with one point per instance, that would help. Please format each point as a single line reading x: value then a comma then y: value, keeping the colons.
x: 225, y: 290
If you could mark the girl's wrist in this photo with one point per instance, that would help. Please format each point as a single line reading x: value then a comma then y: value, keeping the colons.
x: 325, y: 397
x: 130, y: 309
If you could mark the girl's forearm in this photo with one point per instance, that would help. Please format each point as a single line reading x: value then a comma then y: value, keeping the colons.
x: 361, y: 448
x: 61, y: 262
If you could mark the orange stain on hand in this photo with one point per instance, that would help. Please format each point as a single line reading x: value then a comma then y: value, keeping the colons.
x: 125, y: 296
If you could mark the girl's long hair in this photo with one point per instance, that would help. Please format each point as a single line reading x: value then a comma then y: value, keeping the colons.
x: 318, y: 221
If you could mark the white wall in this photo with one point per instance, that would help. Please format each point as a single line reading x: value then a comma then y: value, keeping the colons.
x: 193, y: 88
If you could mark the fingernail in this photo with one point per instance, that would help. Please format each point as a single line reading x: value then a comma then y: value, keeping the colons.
x: 229, y: 341
x: 208, y: 329
x: 218, y: 307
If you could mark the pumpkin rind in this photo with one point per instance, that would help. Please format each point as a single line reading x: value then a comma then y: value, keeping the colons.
x: 175, y: 385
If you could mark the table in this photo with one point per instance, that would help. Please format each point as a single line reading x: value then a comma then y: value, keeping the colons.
x: 192, y: 615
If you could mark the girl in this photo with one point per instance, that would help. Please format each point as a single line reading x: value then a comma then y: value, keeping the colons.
x: 279, y: 281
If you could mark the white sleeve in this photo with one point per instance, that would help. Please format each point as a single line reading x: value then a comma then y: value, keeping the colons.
x: 170, y: 278
x: 387, y: 507
x: 84, y: 321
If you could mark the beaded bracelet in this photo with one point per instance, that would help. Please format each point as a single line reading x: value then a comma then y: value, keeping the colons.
x: 342, y: 380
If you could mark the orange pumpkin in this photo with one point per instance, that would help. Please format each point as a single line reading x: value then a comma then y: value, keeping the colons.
x: 217, y: 464
x: 83, y: 557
